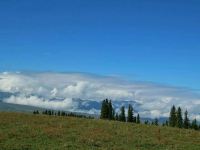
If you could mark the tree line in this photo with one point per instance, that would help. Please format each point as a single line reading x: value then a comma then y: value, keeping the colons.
x: 61, y: 113
x: 108, y: 112
x: 175, y: 117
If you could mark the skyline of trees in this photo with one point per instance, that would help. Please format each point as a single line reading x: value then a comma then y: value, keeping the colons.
x: 175, y: 116
x: 175, y: 119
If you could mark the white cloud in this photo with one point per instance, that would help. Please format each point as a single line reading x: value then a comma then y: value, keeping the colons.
x: 40, y: 102
x: 40, y: 89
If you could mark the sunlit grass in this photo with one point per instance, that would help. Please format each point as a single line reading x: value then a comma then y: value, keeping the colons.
x: 27, y: 131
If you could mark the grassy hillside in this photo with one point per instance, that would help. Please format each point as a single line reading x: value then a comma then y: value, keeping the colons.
x: 26, y: 131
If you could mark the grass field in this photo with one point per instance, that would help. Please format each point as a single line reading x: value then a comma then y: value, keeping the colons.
x: 26, y: 131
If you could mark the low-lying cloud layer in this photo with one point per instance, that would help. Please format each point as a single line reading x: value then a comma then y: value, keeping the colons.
x: 57, y: 90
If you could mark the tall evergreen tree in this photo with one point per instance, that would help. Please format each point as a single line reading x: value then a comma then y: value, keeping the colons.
x: 103, y: 110
x: 146, y: 122
x: 194, y: 125
x: 130, y: 114
x: 138, y: 119
x: 63, y: 113
x: 49, y: 112
x: 59, y: 113
x: 110, y: 110
x: 172, y: 117
x: 186, y: 122
x: 117, y: 117
x: 113, y: 114
x: 107, y: 111
x: 134, y: 119
x: 122, y: 116
x: 156, y: 122
x: 152, y: 122
x: 179, y: 123
x: 34, y: 112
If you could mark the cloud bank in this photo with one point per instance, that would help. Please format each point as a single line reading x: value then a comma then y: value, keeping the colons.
x: 57, y: 91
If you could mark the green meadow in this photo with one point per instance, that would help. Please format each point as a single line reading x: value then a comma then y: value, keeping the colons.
x: 20, y: 131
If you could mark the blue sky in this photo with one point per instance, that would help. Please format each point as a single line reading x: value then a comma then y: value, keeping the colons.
x: 144, y: 40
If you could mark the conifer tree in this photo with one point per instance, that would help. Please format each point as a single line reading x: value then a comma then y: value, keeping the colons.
x: 134, y: 119
x: 194, y: 125
x: 52, y: 112
x: 146, y: 122
x: 116, y: 117
x: 179, y: 123
x: 63, y: 113
x: 110, y: 110
x: 122, y: 116
x: 107, y: 111
x: 49, y: 112
x: 172, y: 117
x: 156, y: 122
x: 152, y: 122
x: 113, y: 114
x: 59, y: 113
x: 138, y: 119
x: 130, y: 114
x: 103, y: 110
x: 186, y: 122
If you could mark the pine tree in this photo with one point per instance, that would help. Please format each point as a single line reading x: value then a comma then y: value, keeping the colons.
x: 63, y: 113
x: 138, y: 119
x: 59, y: 113
x: 110, y: 110
x: 194, y: 125
x: 130, y: 114
x: 179, y: 123
x: 172, y: 117
x: 52, y: 112
x: 186, y: 122
x: 152, y: 122
x: 113, y: 114
x: 37, y: 112
x: 134, y: 119
x: 103, y: 110
x: 156, y: 122
x: 122, y: 116
x: 146, y: 122
x: 49, y: 112
x: 107, y: 111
